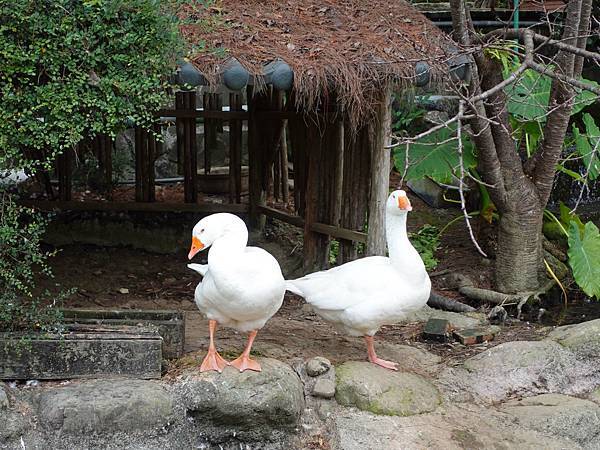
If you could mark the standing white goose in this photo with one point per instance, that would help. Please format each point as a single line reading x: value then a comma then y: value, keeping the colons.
x: 360, y: 296
x: 242, y: 287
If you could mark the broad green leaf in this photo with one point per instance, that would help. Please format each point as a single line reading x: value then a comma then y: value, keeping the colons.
x: 584, y: 257
x: 528, y: 97
x: 567, y: 217
x: 570, y: 172
x: 435, y: 156
x: 588, y: 145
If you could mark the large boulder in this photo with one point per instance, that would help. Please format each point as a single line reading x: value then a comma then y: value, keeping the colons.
x: 251, y: 406
x: 105, y: 406
x: 582, y: 338
x: 3, y: 397
x: 382, y: 391
x: 519, y: 368
x: 559, y: 415
x: 450, y: 427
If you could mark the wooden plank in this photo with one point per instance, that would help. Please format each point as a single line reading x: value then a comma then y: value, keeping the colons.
x: 256, y: 158
x: 49, y: 205
x: 106, y: 351
x: 192, y: 114
x: 280, y: 215
x: 190, y: 155
x: 380, y: 174
x: 138, y: 164
x: 64, y: 172
x: 339, y: 233
x: 180, y: 130
x: 170, y: 325
x: 235, y: 151
x: 285, y: 190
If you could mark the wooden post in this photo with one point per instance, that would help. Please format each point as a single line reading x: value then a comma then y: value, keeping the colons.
x: 255, y: 161
x: 63, y: 169
x: 190, y: 163
x: 355, y: 188
x: 104, y: 145
x: 285, y: 190
x: 235, y: 151
x: 180, y: 130
x: 380, y: 174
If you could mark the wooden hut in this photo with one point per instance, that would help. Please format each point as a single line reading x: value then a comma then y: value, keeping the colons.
x: 313, y: 83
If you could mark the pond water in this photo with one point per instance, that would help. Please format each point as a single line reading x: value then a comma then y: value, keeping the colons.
x: 579, y: 308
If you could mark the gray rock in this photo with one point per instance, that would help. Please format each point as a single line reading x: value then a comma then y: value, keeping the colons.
x: 595, y: 396
x: 251, y: 405
x: 3, y: 397
x: 382, y: 391
x: 559, y: 415
x: 317, y: 366
x: 105, y: 405
x: 324, y: 388
x: 450, y: 427
x: 519, y: 368
x: 457, y: 320
x: 12, y: 425
x: 409, y: 358
x: 582, y: 338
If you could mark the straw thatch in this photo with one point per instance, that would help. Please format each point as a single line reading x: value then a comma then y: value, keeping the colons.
x: 349, y: 47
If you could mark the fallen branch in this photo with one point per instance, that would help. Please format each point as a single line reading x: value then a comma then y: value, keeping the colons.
x: 467, y: 288
x: 448, y: 304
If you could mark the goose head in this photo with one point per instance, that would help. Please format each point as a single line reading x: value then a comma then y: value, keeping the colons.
x: 215, y: 227
x: 398, y: 203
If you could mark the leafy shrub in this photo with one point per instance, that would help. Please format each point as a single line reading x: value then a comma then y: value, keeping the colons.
x: 426, y: 241
x: 69, y: 70
x: 21, y: 260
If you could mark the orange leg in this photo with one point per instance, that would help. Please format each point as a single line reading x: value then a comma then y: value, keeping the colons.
x: 213, y: 361
x: 244, y: 362
x: 373, y: 357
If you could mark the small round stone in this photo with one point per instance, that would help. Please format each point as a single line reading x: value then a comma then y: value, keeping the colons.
x: 317, y: 366
x: 324, y: 388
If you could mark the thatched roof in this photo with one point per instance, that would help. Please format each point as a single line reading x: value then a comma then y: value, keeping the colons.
x: 351, y: 47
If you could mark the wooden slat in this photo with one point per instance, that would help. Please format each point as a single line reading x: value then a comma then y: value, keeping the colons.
x: 190, y: 164
x: 180, y: 130
x: 183, y: 114
x: 317, y: 227
x: 64, y: 169
x: 235, y: 151
x: 49, y: 205
x: 339, y: 233
x: 280, y: 215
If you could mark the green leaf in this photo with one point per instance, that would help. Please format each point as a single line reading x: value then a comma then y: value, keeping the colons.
x: 567, y: 217
x: 528, y: 97
x: 584, y: 257
x: 435, y: 156
x: 588, y: 145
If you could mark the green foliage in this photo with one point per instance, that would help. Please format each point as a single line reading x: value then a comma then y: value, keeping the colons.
x: 21, y: 261
x: 584, y: 257
x: 584, y: 249
x: 70, y: 69
x: 435, y: 156
x: 588, y: 145
x: 426, y: 241
x: 334, y: 251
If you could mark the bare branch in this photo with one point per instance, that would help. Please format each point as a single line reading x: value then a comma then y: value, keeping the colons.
x: 463, y: 205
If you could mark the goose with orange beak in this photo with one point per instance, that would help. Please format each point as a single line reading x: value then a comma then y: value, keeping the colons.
x: 360, y: 296
x: 242, y: 286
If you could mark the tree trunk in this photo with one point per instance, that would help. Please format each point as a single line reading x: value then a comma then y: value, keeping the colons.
x: 519, y: 256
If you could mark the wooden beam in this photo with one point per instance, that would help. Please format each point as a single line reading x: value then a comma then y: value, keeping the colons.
x: 50, y: 205
x: 64, y: 172
x: 280, y: 215
x: 190, y: 154
x: 235, y: 151
x: 192, y: 114
x: 380, y: 175
x: 317, y: 227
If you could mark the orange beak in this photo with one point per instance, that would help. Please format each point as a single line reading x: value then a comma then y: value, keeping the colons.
x: 404, y: 203
x: 197, y: 245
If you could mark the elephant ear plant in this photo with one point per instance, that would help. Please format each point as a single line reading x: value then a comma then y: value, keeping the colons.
x: 69, y: 71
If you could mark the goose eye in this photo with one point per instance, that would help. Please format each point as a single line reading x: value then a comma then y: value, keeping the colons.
x: 202, y: 230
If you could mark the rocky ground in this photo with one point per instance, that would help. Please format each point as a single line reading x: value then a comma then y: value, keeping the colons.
x: 520, y: 394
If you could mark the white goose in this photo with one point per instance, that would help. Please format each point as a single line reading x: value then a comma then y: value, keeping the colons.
x: 242, y: 286
x: 360, y: 296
